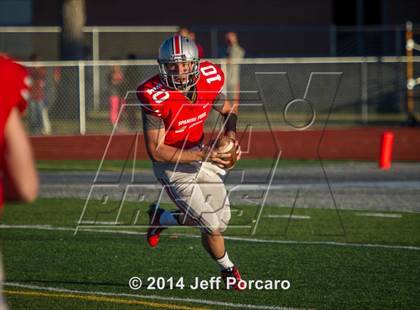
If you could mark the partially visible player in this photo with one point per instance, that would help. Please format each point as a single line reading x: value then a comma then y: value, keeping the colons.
x: 19, y: 179
x: 175, y: 105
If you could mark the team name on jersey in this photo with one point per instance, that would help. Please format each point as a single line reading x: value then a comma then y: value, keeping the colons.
x: 192, y: 119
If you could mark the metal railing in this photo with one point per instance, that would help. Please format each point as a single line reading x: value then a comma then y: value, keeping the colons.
x: 99, y: 43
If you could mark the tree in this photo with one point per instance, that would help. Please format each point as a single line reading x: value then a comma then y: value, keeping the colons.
x: 73, y: 19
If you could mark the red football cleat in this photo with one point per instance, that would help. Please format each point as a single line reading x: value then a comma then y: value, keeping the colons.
x: 153, y: 232
x: 231, y: 277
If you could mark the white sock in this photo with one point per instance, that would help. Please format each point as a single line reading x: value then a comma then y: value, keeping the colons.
x: 168, y: 219
x: 224, y: 262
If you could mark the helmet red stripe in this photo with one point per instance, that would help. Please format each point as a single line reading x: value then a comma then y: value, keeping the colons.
x: 177, y: 45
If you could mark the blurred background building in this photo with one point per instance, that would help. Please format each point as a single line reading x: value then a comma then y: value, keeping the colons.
x: 270, y: 29
x: 83, y: 43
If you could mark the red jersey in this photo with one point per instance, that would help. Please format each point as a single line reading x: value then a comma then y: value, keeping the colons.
x: 13, y: 93
x: 183, y: 119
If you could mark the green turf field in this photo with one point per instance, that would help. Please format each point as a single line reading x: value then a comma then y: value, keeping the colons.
x: 374, y: 263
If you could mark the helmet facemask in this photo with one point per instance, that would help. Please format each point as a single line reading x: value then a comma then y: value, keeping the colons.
x: 173, y: 79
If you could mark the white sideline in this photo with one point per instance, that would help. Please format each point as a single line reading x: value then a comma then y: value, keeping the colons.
x: 334, y: 243
x: 153, y: 297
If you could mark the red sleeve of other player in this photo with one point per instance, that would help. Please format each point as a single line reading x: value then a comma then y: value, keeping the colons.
x: 14, y: 86
x: 14, y: 92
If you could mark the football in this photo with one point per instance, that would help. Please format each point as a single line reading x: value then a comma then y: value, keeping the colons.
x: 226, y: 145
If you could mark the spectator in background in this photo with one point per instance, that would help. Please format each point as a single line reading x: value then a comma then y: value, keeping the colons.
x: 39, y: 120
x: 185, y: 32
x: 116, y: 92
x: 199, y: 46
x: 19, y: 179
x: 234, y: 53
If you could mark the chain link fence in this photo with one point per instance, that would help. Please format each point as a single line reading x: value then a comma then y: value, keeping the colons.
x: 369, y: 91
x: 100, y: 43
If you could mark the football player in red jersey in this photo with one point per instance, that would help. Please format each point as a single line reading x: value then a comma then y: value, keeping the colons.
x: 175, y: 105
x: 19, y: 179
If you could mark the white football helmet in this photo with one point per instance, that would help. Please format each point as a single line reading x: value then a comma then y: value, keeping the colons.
x: 174, y: 50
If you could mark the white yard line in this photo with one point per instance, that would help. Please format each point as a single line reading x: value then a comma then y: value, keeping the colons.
x: 152, y: 297
x: 286, y: 216
x: 98, y: 222
x: 357, y: 245
x: 380, y: 215
x: 252, y: 240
